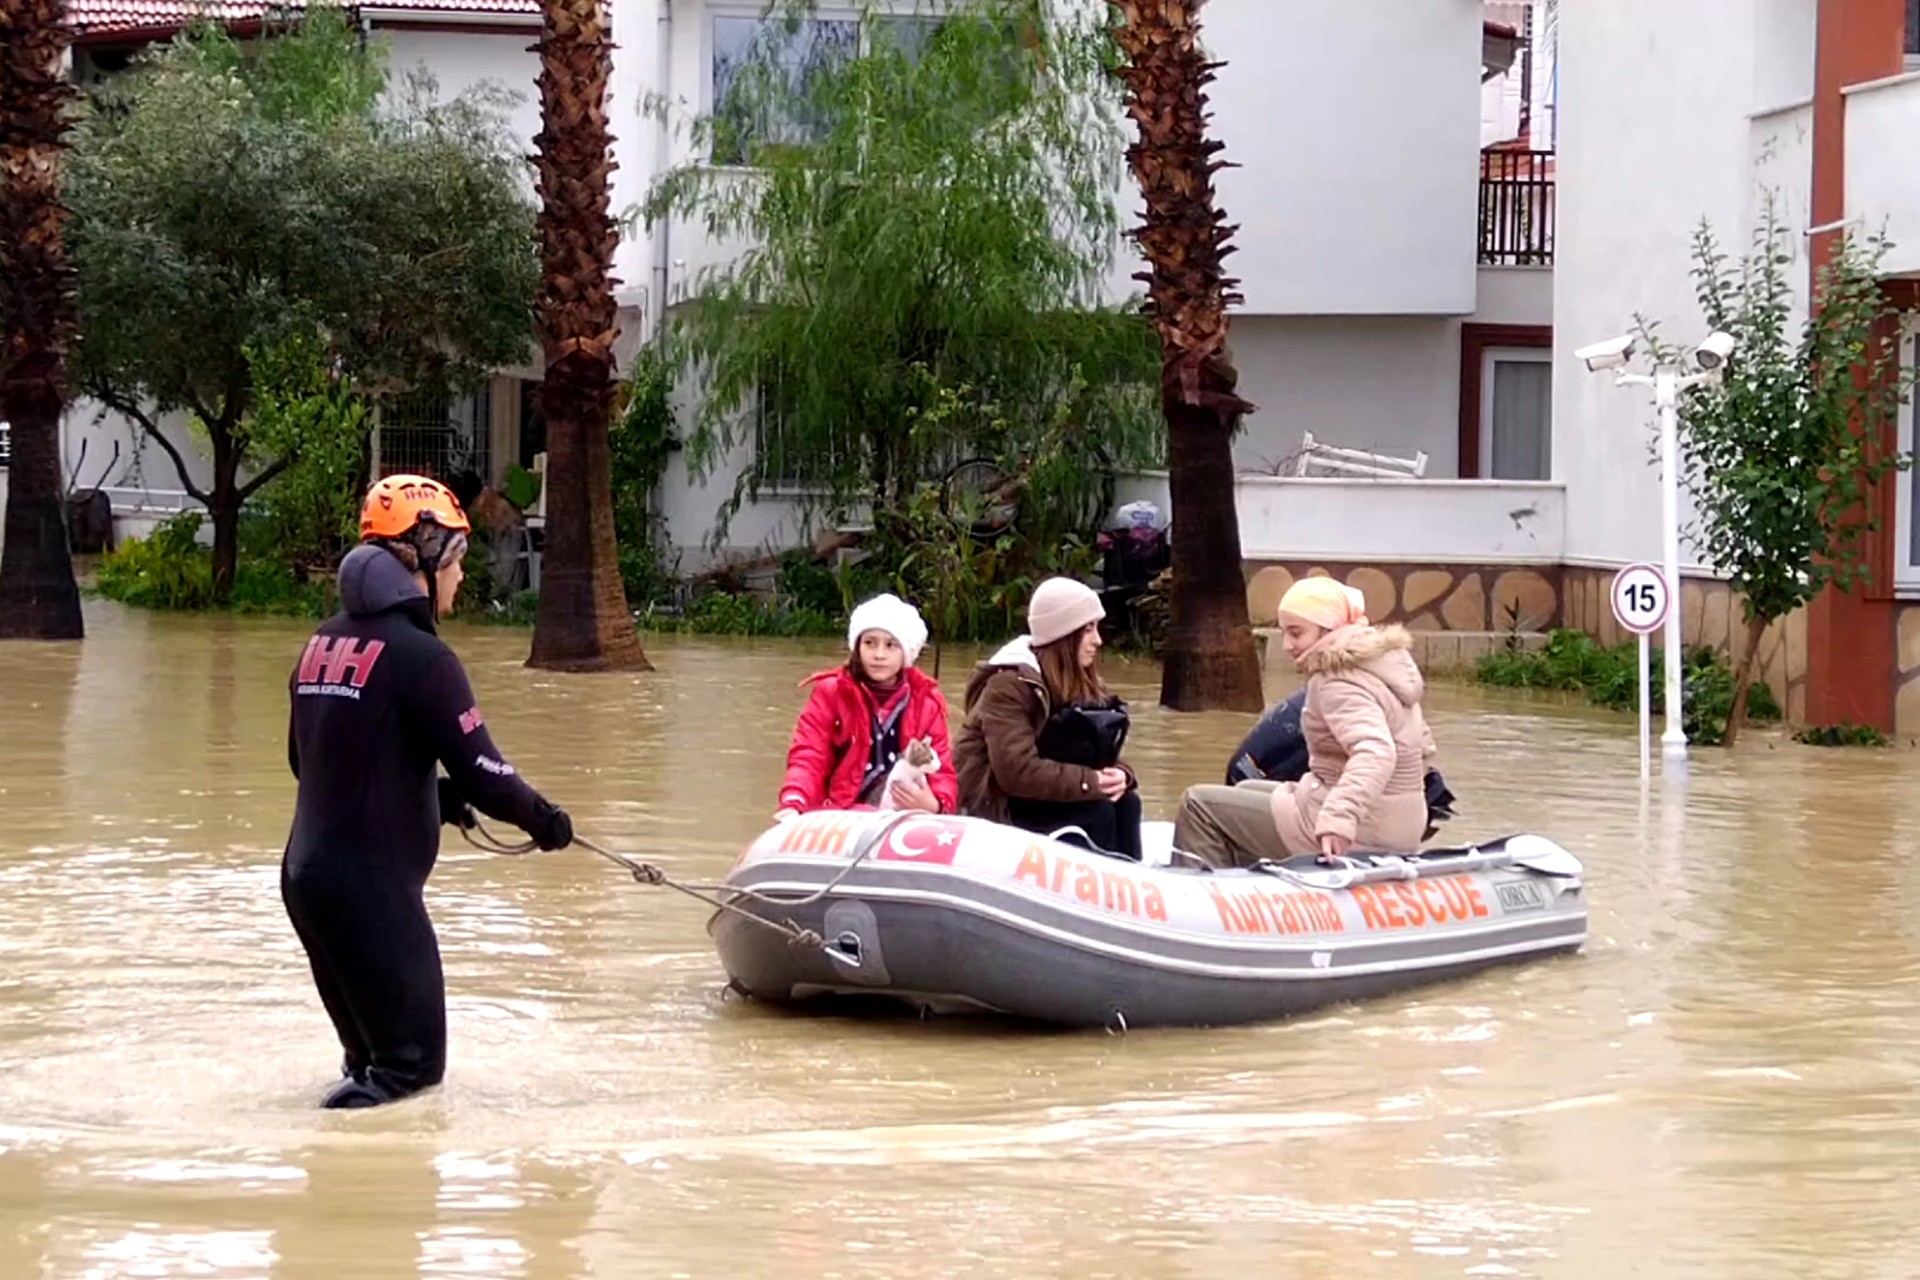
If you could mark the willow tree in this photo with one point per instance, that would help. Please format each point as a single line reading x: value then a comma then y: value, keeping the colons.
x: 38, y: 596
x: 583, y: 623
x: 1210, y: 660
x: 929, y: 219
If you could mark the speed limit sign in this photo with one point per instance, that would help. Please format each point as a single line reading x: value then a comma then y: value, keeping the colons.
x: 1641, y: 598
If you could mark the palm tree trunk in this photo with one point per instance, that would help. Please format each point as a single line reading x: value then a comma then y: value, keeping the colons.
x: 583, y: 622
x: 1210, y: 662
x: 38, y: 597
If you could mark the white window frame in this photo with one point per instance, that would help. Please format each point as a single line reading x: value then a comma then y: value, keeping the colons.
x: 1906, y: 572
x: 1488, y: 359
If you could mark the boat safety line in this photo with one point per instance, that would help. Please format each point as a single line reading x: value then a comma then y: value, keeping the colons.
x: 647, y: 873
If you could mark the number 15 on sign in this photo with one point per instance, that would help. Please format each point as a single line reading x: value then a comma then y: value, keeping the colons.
x: 1641, y: 599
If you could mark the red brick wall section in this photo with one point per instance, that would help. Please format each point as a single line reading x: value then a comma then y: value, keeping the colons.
x: 1852, y: 662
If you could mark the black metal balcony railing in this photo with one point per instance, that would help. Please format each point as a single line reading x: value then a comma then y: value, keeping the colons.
x: 1516, y: 208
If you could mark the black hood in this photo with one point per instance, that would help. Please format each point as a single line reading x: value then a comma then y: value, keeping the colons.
x: 372, y: 580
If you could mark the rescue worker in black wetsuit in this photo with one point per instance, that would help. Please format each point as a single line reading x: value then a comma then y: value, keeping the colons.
x: 378, y: 698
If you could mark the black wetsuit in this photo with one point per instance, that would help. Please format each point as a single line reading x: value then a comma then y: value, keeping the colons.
x: 378, y: 699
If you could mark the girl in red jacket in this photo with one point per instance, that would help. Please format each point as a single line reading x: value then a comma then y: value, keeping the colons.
x: 862, y: 716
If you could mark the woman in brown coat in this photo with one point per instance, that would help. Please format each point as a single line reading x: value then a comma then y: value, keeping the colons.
x: 1041, y: 743
x: 1367, y: 746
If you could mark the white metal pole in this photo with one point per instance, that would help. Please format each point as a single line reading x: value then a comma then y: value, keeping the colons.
x: 1666, y: 392
x: 1646, y: 712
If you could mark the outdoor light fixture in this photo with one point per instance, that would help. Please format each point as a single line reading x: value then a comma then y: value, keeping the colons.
x: 1667, y: 381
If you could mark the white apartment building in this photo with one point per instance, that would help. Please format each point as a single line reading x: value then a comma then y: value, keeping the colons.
x: 1398, y: 278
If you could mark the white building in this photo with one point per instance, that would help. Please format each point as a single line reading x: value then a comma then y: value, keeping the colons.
x: 1438, y: 201
x: 1398, y: 283
x: 1677, y: 112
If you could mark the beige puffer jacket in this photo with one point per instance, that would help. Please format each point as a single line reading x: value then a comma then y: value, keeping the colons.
x: 1367, y: 745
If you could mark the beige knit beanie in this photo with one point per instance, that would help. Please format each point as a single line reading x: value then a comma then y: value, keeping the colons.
x: 1060, y: 607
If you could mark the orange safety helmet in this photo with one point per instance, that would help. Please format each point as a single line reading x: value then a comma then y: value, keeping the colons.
x: 397, y: 504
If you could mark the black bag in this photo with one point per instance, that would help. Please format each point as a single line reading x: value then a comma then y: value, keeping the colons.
x: 1085, y: 733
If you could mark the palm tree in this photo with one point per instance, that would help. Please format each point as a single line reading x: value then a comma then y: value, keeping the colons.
x: 583, y: 623
x: 38, y: 597
x: 1210, y: 662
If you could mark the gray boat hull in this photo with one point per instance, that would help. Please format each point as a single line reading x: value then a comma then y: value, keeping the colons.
x: 1009, y: 923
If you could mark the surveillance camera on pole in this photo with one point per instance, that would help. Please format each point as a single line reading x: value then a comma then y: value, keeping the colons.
x: 1710, y: 355
x: 1667, y: 381
x: 1610, y: 354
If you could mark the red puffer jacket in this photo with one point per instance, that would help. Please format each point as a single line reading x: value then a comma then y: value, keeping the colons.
x: 832, y: 742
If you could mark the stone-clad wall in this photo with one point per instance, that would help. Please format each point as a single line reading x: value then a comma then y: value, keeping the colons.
x: 1709, y: 615
x: 1424, y: 597
x: 1497, y: 598
x: 1906, y: 698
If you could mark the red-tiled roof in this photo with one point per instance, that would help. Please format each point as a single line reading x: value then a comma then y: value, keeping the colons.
x: 94, y: 16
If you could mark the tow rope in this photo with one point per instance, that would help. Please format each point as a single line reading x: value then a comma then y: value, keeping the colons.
x: 646, y: 873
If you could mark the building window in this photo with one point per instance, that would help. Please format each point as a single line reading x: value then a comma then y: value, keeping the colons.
x: 1913, y: 31
x: 750, y: 51
x: 6, y: 444
x: 440, y: 436
x: 1516, y: 413
x: 784, y: 461
x: 758, y: 60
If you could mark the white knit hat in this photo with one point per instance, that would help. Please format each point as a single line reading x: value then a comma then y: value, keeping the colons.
x: 891, y: 614
x: 1060, y: 607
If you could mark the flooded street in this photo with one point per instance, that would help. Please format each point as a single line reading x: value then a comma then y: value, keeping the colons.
x: 1723, y: 1084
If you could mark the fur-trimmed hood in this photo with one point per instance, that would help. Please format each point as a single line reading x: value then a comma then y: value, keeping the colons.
x: 1383, y: 652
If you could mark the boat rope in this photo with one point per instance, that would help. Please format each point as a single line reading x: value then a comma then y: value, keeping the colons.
x: 482, y: 838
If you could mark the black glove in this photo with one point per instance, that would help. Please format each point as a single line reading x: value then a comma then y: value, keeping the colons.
x: 556, y: 830
x: 454, y: 809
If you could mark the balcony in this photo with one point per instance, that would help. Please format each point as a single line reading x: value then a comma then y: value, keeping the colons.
x: 1883, y: 184
x: 1516, y: 208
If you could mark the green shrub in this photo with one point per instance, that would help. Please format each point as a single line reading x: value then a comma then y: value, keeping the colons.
x: 1609, y: 677
x: 171, y: 570
x: 1843, y: 735
x: 728, y: 613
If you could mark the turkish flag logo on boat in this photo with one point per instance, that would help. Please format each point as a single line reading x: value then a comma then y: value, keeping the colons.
x: 933, y: 840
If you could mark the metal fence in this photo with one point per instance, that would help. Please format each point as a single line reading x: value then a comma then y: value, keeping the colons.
x: 438, y: 436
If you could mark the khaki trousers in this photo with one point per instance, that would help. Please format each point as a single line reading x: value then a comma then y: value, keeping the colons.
x: 1237, y: 826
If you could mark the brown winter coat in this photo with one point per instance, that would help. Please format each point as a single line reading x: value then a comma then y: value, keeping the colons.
x: 1367, y: 745
x: 996, y: 752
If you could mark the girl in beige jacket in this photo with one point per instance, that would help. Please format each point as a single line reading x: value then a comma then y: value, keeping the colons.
x: 1367, y: 746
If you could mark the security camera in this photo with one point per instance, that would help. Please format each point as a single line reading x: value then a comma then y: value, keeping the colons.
x: 1610, y: 354
x: 1713, y: 353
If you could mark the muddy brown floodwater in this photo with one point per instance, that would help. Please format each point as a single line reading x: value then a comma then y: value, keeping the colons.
x: 1723, y: 1084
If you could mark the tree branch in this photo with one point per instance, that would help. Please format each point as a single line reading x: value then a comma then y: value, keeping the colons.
x: 274, y: 468
x: 200, y: 410
x: 127, y: 408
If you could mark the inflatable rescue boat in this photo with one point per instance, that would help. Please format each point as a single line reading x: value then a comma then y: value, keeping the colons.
x: 958, y: 914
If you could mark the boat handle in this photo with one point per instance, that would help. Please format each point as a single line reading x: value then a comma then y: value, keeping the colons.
x: 844, y: 949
